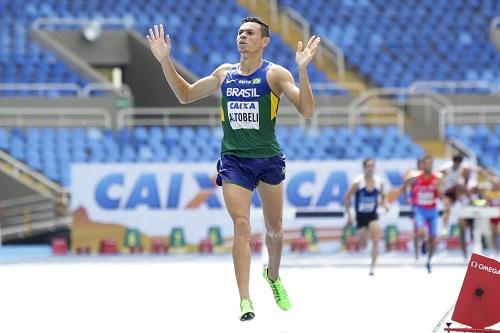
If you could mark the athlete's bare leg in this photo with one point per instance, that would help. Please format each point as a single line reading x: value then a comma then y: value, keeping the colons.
x: 238, y: 201
x: 463, y: 228
x: 446, y: 211
x: 363, y: 236
x: 416, y: 237
x: 431, y: 247
x: 271, y: 197
x: 374, y: 232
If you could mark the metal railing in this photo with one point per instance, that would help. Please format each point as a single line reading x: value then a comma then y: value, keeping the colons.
x: 24, y: 216
x: 300, y: 20
x: 73, y: 88
x: 495, y: 22
x: 178, y: 116
x: 190, y: 116
x: 380, y: 115
x: 467, y: 114
x: 57, y: 116
x: 453, y: 86
x: 334, y: 51
x: 52, y: 22
x: 287, y: 115
x: 123, y: 90
x: 38, y: 181
x: 397, y: 98
x: 326, y: 87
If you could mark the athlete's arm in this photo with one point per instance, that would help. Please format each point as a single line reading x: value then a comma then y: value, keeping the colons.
x: 347, y: 201
x: 186, y: 93
x: 466, y: 174
x: 404, y: 189
x: 440, y: 187
x: 301, y: 98
x: 383, y: 197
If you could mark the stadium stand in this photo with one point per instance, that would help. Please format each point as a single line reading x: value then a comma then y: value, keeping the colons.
x: 51, y: 150
x: 395, y: 43
x: 22, y: 60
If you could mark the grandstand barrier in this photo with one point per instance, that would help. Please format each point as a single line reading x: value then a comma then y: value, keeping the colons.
x: 453, y: 86
x: 467, y: 114
x: 55, y: 22
x: 30, y: 215
x: 67, y: 89
x: 46, y: 116
x: 288, y: 116
x: 15, y: 88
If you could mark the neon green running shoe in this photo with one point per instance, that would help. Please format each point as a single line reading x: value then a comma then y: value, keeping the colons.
x: 246, y: 308
x: 279, y: 292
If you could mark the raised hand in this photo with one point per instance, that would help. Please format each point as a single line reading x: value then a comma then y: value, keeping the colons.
x: 304, y: 57
x: 159, y: 43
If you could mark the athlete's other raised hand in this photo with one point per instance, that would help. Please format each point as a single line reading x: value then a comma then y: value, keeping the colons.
x: 159, y: 43
x: 304, y: 57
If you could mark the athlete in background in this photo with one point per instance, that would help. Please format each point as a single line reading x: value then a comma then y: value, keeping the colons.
x: 409, y: 182
x: 455, y: 179
x: 427, y: 189
x: 368, y: 191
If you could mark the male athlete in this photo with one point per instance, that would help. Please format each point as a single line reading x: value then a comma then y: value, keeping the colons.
x: 407, y: 190
x: 251, y: 157
x: 426, y: 190
x: 455, y: 178
x: 368, y: 190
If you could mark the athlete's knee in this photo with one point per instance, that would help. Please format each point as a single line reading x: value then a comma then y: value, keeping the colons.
x: 274, y: 230
x: 242, y: 227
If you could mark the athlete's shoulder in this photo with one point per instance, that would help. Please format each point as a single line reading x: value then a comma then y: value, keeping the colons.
x: 221, y: 71
x: 446, y: 167
x: 275, y: 70
x: 378, y: 181
x: 437, y: 174
x: 436, y: 177
x: 224, y: 68
x: 359, y: 179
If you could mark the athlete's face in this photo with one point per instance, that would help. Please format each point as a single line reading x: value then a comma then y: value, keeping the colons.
x: 428, y: 165
x: 250, y: 38
x: 369, y: 168
x: 420, y: 165
x: 456, y: 164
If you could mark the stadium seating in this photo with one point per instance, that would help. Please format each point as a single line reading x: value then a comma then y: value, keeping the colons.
x: 394, y: 43
x: 199, y: 49
x: 483, y: 140
x: 51, y: 150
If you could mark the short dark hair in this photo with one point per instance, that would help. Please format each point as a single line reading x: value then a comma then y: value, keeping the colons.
x: 366, y: 160
x: 265, y: 31
x: 428, y: 157
x: 458, y: 159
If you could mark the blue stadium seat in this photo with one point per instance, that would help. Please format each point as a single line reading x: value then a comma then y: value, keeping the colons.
x: 428, y: 40
x: 30, y: 62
